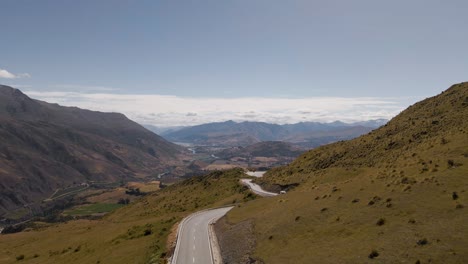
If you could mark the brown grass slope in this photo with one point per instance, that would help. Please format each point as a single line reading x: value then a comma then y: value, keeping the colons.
x: 137, y: 233
x: 46, y: 146
x: 396, y: 195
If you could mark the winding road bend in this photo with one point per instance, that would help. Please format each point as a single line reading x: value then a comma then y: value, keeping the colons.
x: 256, y: 188
x: 193, y: 241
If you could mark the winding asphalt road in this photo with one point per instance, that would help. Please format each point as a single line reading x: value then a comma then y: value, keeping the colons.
x: 256, y: 188
x: 193, y: 242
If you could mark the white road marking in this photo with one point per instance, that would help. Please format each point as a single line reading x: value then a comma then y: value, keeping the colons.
x: 204, y: 250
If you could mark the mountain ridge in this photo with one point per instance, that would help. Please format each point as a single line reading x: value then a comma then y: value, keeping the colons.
x: 307, y: 134
x: 46, y: 146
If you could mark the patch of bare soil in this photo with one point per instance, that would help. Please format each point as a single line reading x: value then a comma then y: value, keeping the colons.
x: 236, y: 242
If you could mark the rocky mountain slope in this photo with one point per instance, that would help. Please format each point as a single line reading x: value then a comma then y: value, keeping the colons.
x: 396, y: 195
x: 45, y: 146
x: 304, y: 134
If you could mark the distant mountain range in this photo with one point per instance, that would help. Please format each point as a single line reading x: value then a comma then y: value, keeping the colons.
x: 45, y: 146
x: 262, y: 149
x: 304, y: 134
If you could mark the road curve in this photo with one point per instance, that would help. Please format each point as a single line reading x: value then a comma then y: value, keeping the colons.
x: 256, y: 188
x: 193, y: 240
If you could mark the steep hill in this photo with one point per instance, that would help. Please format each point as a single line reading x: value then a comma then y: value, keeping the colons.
x: 44, y: 147
x: 396, y: 195
x: 305, y: 134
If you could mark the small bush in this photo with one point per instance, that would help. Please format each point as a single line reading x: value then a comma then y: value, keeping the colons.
x: 373, y: 254
x: 422, y: 242
x: 454, y: 196
x: 381, y: 222
x: 297, y: 218
x: 323, y: 209
x: 355, y: 201
x: 459, y: 206
x: 147, y: 232
x: 450, y: 163
x: 20, y: 257
x: 412, y: 221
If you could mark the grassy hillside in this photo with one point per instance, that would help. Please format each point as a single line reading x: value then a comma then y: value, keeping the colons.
x: 137, y: 233
x: 396, y: 195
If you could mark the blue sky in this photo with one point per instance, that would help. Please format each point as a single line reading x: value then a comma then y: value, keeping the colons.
x: 88, y: 53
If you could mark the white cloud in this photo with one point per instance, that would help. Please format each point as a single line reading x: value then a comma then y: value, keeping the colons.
x: 8, y: 75
x: 165, y: 110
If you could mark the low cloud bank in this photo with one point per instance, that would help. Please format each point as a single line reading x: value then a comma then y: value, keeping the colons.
x: 165, y: 111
